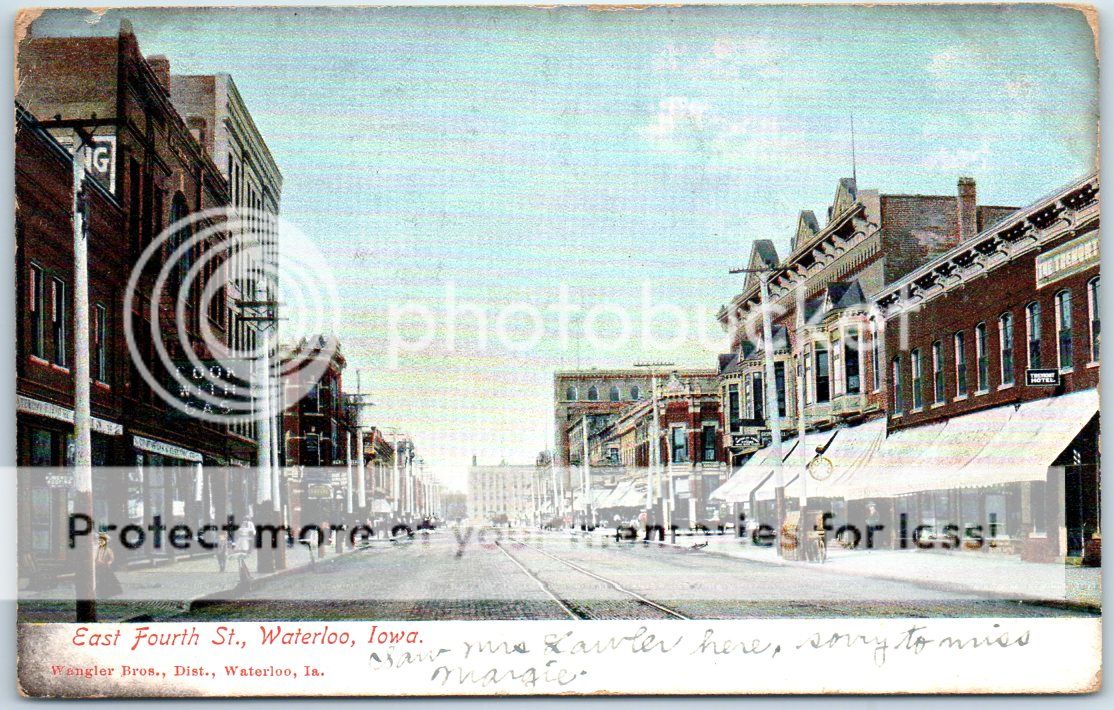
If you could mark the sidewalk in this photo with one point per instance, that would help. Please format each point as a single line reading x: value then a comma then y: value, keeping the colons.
x: 172, y: 588
x: 981, y: 573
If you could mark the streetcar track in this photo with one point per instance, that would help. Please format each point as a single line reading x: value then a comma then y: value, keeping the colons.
x: 572, y: 608
x: 544, y: 587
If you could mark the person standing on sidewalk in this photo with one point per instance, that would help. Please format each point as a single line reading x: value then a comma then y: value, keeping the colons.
x: 222, y: 550
x: 107, y: 583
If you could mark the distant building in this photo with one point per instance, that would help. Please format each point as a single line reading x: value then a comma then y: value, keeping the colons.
x: 503, y: 494
x: 600, y: 394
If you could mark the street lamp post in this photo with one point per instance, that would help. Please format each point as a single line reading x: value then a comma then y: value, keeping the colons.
x: 85, y: 579
x: 655, y: 439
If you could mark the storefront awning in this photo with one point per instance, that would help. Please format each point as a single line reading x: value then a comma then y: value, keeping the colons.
x: 750, y: 475
x: 1009, y: 444
x: 849, y: 451
x: 792, y: 465
x: 614, y: 497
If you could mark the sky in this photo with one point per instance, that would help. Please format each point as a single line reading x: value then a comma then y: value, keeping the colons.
x: 519, y: 159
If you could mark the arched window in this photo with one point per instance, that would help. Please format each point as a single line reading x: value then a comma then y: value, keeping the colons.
x: 613, y: 395
x: 179, y: 210
x: 1005, y: 340
x: 1033, y: 334
x: 1063, y: 330
x: 635, y: 393
x: 570, y: 394
x: 593, y: 394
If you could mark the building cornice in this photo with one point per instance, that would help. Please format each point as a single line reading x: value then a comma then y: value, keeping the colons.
x: 1072, y: 209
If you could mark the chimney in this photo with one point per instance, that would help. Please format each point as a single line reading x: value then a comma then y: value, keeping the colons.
x: 161, y: 66
x: 968, y: 209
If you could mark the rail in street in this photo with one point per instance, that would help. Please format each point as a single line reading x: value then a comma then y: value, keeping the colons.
x: 629, y: 605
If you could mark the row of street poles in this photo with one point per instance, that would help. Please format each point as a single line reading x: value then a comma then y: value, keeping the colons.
x: 773, y: 412
x: 653, y: 474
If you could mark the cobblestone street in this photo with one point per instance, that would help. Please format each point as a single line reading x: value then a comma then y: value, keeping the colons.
x: 527, y: 575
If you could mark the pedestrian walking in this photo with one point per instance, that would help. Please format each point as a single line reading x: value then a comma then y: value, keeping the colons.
x: 222, y: 550
x: 107, y: 583
x: 872, y: 524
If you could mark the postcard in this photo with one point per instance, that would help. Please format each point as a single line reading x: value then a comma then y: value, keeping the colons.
x: 566, y: 350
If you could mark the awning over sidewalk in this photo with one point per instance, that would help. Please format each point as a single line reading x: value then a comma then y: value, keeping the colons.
x: 751, y: 474
x: 1009, y: 444
x: 614, y: 497
x: 850, y: 451
x: 793, y: 466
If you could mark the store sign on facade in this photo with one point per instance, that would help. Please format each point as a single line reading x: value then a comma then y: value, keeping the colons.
x: 1049, y: 377
x: 1077, y: 255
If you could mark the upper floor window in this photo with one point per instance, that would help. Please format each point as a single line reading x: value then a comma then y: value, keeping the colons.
x: 938, y: 372
x: 758, y: 398
x: 809, y: 388
x: 1005, y: 339
x: 1063, y: 330
x: 38, y: 311
x: 733, y: 404
x: 708, y: 441
x: 823, y: 391
x: 635, y: 393
x: 679, y: 444
x: 59, y: 319
x: 614, y: 394
x: 570, y: 394
x: 982, y: 360
x: 897, y: 399
x: 779, y: 384
x: 1093, y: 310
x: 918, y: 382
x: 1033, y: 334
x: 875, y: 355
x: 100, y: 343
x: 593, y: 394
x: 852, y: 346
x: 960, y: 364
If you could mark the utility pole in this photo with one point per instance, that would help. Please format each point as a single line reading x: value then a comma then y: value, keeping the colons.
x: 655, y: 439
x: 587, y: 487
x: 360, y: 404
x: 348, y: 480
x: 772, y: 413
x: 85, y: 578
x: 261, y: 309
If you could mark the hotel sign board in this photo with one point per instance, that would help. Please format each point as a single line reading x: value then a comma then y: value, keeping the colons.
x: 1077, y: 255
x: 1042, y: 377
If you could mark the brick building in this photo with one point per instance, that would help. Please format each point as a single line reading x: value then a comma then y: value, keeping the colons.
x: 690, y: 447
x: 147, y: 171
x: 993, y: 367
x: 219, y: 120
x: 828, y: 348
x: 315, y: 429
x: 600, y: 394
